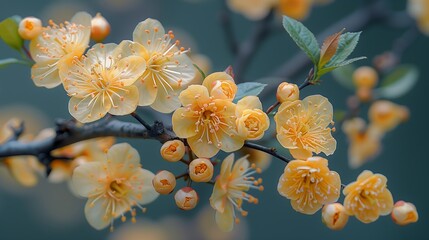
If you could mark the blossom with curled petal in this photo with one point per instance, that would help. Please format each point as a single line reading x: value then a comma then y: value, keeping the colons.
x: 102, y: 82
x: 309, y: 184
x: 386, y: 115
x: 57, y: 46
x: 220, y: 86
x: 206, y: 121
x: 251, y: 121
x: 364, y: 141
x: 230, y: 190
x: 169, y: 70
x: 24, y: 169
x: 368, y: 197
x: 113, y: 186
x: 303, y: 126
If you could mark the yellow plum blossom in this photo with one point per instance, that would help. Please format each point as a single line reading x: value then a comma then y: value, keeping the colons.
x: 368, y: 197
x: 102, y: 82
x: 230, y: 190
x: 24, y: 169
x: 303, y: 126
x: 419, y: 9
x: 251, y: 121
x: 169, y: 70
x: 207, y: 122
x: 57, y: 46
x: 298, y: 9
x: 113, y: 186
x: 365, y: 141
x: 220, y: 85
x: 309, y: 184
x: 386, y: 115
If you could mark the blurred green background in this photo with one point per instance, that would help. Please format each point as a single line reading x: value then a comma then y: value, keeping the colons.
x: 49, y: 211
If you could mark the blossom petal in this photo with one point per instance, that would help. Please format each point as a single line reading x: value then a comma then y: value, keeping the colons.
x: 248, y: 102
x: 225, y: 220
x: 194, y: 93
x: 142, y: 182
x: 84, y: 19
x: 86, y: 179
x: 100, y: 52
x: 202, y: 148
x: 125, y: 100
x: 166, y: 101
x: 148, y: 89
x: 148, y: 32
x: 300, y: 153
x: 184, y: 124
x: 95, y: 213
x: 46, y: 74
x: 123, y: 155
x: 129, y: 69
x: 21, y: 170
x: 88, y: 110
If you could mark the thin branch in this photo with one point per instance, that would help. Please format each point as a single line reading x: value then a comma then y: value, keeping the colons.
x: 271, y: 151
x: 141, y: 120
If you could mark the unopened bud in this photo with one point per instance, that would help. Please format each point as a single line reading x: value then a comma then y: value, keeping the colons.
x: 29, y: 28
x: 287, y: 92
x: 164, y: 182
x: 364, y: 94
x: 404, y: 213
x: 173, y: 150
x: 201, y: 170
x: 365, y: 77
x: 186, y: 198
x: 334, y: 216
x: 100, y: 28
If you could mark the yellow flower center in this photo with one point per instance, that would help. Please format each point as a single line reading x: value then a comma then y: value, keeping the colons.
x: 200, y: 168
x: 118, y: 189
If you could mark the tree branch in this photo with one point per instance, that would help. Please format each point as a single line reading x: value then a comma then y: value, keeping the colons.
x: 69, y: 132
x: 271, y: 151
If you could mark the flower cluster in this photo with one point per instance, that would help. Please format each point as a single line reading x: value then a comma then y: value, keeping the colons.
x: 210, y: 121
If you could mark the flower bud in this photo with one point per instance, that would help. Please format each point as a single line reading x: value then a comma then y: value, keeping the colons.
x: 173, y: 150
x: 334, y: 216
x: 100, y: 28
x: 201, y: 170
x: 404, y: 213
x: 186, y: 198
x: 29, y: 28
x: 224, y: 89
x: 252, y: 124
x: 164, y: 182
x: 365, y: 77
x: 364, y: 94
x: 287, y: 92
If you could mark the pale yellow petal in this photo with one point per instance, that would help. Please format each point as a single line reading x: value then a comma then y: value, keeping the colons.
x: 125, y: 100
x: 46, y: 74
x: 100, y: 52
x: 386, y: 202
x: 95, y: 213
x: 248, y: 102
x: 129, y: 69
x: 230, y: 143
x: 194, y: 93
x: 148, y: 32
x: 142, y: 182
x: 88, y: 110
x: 22, y: 171
x: 202, y: 148
x: 184, y: 124
x: 299, y: 153
x: 123, y: 155
x: 166, y: 101
x: 210, y: 80
x: 88, y: 179
x: 225, y: 220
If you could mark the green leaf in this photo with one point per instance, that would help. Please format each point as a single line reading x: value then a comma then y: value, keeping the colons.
x: 346, y: 45
x: 399, y: 82
x: 303, y: 37
x: 7, y: 61
x: 339, y: 115
x: 9, y: 33
x: 344, y: 76
x: 329, y: 48
x: 248, y: 89
x: 342, y: 64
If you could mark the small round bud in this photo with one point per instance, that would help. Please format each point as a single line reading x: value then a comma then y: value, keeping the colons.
x: 201, y: 170
x: 29, y: 28
x: 164, y: 182
x: 173, y: 150
x: 404, y: 213
x: 365, y: 77
x: 186, y: 198
x: 364, y: 94
x: 100, y: 28
x: 287, y: 92
x: 334, y: 216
